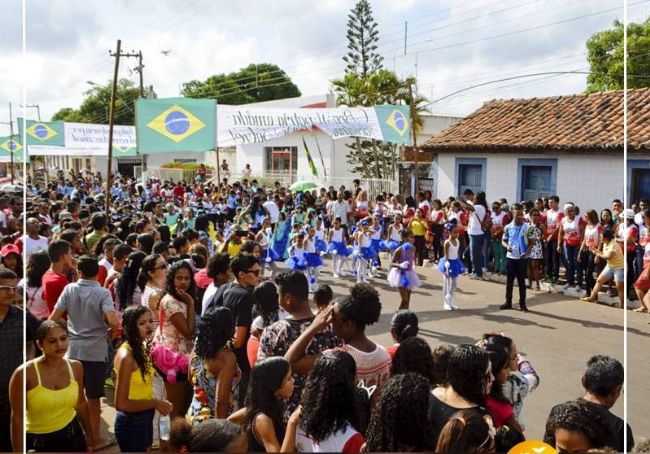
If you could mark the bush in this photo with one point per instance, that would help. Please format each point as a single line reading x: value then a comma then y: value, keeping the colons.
x: 193, y: 166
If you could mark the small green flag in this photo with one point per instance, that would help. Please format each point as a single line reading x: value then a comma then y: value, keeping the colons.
x: 42, y: 133
x: 310, y: 161
x: 175, y: 124
x: 11, y: 145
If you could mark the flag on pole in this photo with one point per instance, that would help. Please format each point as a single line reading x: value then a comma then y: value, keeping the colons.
x: 42, y: 133
x: 310, y: 161
x: 175, y: 124
x: 395, y: 123
x: 11, y: 145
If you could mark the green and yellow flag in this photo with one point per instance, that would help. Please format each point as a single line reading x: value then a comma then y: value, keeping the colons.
x: 42, y: 133
x: 310, y: 161
x: 175, y: 124
x: 11, y: 145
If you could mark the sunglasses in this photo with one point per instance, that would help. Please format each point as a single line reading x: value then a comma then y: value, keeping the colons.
x: 255, y: 272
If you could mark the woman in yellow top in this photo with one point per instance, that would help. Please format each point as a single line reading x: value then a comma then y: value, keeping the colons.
x: 134, y: 399
x: 418, y: 227
x: 55, y: 397
x: 615, y: 268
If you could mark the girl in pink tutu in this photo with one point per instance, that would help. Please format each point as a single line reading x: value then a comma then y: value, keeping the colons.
x: 450, y: 266
x: 402, y: 274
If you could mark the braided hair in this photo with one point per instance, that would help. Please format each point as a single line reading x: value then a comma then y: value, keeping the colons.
x: 404, y: 325
x: 140, y: 348
x: 400, y: 419
x: 414, y: 355
x: 328, y: 398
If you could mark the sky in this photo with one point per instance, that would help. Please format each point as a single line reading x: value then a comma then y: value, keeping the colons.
x: 450, y: 45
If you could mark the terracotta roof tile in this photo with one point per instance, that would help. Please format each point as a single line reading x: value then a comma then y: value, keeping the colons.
x: 569, y: 123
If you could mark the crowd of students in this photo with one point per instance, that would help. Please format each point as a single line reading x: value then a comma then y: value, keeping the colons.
x: 205, y: 327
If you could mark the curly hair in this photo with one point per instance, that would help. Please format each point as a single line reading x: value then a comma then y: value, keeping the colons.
x: 578, y: 416
x: 404, y: 325
x: 170, y: 288
x: 362, y: 306
x: 441, y: 356
x: 328, y: 398
x: 400, y: 419
x: 414, y: 355
x: 466, y: 372
x: 265, y: 379
x: 140, y: 348
x: 214, y: 330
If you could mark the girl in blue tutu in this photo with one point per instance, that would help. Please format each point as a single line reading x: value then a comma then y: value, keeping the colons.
x: 321, y: 245
x: 297, y: 260
x: 364, y: 254
x: 450, y: 266
x: 313, y: 259
x: 269, y: 255
x: 337, y: 247
x: 394, y: 236
x: 376, y: 232
x: 402, y: 274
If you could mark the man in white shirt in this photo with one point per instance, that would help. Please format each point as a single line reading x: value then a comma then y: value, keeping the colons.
x: 272, y: 207
x: 32, y: 241
x: 638, y: 218
x: 476, y: 206
x: 339, y: 209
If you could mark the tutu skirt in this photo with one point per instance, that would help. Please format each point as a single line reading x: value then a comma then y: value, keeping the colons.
x: 375, y: 245
x: 340, y: 248
x: 389, y: 245
x: 367, y: 253
x: 270, y: 253
x: 321, y: 245
x: 398, y: 277
x: 456, y: 267
x: 297, y: 263
x: 313, y: 260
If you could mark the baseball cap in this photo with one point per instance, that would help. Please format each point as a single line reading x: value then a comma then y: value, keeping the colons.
x: 9, y: 249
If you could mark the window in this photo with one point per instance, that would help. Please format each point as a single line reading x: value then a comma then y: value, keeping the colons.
x: 281, y: 160
x: 639, y: 180
x: 470, y: 174
x: 537, y: 178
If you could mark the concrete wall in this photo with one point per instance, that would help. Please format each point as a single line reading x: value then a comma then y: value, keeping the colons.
x: 591, y: 181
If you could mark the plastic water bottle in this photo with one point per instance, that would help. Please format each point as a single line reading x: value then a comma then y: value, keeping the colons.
x: 164, y: 427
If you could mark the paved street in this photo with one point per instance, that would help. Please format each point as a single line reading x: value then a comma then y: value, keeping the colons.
x: 558, y: 335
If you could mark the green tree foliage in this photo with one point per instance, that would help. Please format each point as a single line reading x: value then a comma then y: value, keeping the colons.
x: 95, y: 106
x: 605, y: 56
x: 255, y: 83
x: 372, y: 158
x: 362, y: 57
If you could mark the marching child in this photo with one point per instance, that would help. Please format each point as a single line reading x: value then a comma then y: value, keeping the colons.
x: 337, y: 247
x: 313, y: 259
x: 451, y: 266
x: 402, y: 274
x: 297, y: 261
x: 365, y: 253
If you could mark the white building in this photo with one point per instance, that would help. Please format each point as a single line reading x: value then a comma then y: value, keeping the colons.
x: 522, y: 149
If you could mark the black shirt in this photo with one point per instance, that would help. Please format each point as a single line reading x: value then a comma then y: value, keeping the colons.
x: 440, y: 413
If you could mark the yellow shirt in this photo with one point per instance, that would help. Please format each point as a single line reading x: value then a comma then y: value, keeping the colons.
x: 418, y: 227
x: 140, y: 389
x: 50, y: 410
x: 233, y: 249
x: 616, y: 260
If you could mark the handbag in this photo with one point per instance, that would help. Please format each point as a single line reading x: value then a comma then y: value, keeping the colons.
x: 167, y: 361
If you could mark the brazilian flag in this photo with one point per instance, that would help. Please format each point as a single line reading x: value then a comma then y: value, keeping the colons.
x: 395, y: 123
x: 310, y: 161
x: 175, y: 124
x: 42, y: 133
x: 11, y: 145
x: 123, y: 152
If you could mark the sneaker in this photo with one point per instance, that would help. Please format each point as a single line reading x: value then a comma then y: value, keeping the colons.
x: 505, y: 306
x: 454, y: 307
x: 336, y: 276
x: 447, y: 307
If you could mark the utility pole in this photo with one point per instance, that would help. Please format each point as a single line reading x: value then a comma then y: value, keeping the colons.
x: 11, y: 142
x: 111, y: 114
x: 406, y: 28
x: 414, y: 148
x: 33, y: 106
x: 139, y: 68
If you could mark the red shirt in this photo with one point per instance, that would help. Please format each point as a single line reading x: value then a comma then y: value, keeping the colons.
x: 392, y: 350
x: 201, y: 279
x: 179, y: 192
x: 53, y: 284
x: 501, y: 412
x: 101, y: 275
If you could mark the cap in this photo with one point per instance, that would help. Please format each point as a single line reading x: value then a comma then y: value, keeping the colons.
x: 628, y: 213
x: 9, y: 249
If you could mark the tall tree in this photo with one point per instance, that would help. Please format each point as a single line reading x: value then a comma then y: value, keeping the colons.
x: 254, y: 83
x: 95, y: 106
x: 372, y: 158
x: 605, y: 55
x: 363, y: 35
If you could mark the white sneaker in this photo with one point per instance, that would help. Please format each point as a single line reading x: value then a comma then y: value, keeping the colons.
x: 447, y: 307
x: 336, y: 276
x: 454, y: 307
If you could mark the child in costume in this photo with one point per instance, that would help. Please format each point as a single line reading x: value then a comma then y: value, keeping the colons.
x: 337, y: 247
x: 402, y: 274
x: 364, y: 252
x: 297, y: 260
x: 376, y: 231
x: 269, y: 255
x: 451, y: 266
x: 313, y: 259
x: 394, y: 237
x: 319, y: 239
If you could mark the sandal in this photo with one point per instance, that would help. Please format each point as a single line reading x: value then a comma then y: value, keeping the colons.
x: 587, y: 299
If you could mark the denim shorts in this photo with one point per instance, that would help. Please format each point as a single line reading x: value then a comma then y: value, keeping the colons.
x: 134, y: 431
x: 618, y: 274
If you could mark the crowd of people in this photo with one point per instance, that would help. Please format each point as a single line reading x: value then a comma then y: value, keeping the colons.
x: 222, y: 338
